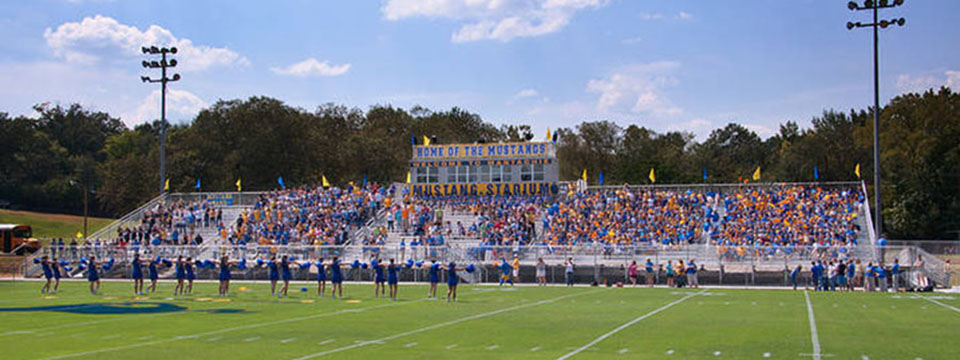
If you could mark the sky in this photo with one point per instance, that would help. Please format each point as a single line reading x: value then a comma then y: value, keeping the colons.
x: 680, y: 65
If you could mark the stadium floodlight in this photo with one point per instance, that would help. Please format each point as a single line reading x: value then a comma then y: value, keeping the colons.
x: 163, y: 64
x: 875, y: 6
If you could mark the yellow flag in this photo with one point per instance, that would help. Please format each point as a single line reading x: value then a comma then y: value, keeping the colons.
x: 584, y: 176
x: 756, y: 174
x: 323, y: 180
x: 408, y: 177
x: 856, y: 170
x: 652, y: 176
x: 166, y: 185
x: 79, y: 234
x: 426, y: 140
x: 239, y: 187
x: 548, y: 134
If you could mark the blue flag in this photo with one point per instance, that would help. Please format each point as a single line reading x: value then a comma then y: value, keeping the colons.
x: 704, y: 173
x: 198, y: 184
x: 413, y: 140
x: 601, y: 177
x: 280, y: 181
x: 816, y: 173
x: 364, y: 181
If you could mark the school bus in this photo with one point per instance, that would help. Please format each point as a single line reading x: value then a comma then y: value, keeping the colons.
x: 17, y: 238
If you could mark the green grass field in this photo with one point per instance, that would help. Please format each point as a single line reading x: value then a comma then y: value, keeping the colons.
x: 487, y: 322
x: 47, y: 226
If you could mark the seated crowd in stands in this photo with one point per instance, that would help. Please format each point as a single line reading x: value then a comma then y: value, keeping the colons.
x: 308, y: 216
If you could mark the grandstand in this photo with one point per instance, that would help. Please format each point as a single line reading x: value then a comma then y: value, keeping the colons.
x: 487, y: 203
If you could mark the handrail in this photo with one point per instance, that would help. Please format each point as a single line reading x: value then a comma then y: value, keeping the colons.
x: 110, y: 228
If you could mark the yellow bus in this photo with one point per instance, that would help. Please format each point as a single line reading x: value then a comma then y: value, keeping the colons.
x: 17, y: 238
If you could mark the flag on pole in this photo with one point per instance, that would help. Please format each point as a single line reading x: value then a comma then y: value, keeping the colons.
x: 79, y: 234
x: 426, y: 140
x: 413, y: 140
x: 166, y: 185
x: 816, y: 173
x: 323, y: 181
x: 652, y: 176
x: 408, y: 177
x: 364, y: 181
x: 239, y: 187
x: 756, y: 174
x: 198, y: 184
x: 280, y: 181
x: 601, y: 177
x: 704, y: 173
x: 584, y: 176
x: 548, y: 134
x: 856, y: 170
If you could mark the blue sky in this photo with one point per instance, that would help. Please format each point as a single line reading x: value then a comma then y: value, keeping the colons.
x: 667, y: 65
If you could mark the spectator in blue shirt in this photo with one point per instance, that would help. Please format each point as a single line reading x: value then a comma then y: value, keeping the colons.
x: 895, y: 275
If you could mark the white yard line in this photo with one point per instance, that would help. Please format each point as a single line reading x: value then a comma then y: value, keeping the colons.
x: 224, y: 330
x: 441, y: 325
x: 948, y: 306
x: 628, y: 324
x: 813, y: 328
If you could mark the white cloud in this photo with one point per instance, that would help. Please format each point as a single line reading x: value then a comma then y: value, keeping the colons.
x: 637, y: 89
x: 631, y: 41
x: 525, y: 93
x: 651, y: 16
x: 683, y: 15
x: 312, y: 67
x: 94, y: 38
x: 493, y: 19
x: 182, y: 106
x: 907, y: 83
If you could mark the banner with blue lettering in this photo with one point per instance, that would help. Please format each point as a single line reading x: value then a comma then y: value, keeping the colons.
x: 465, y: 151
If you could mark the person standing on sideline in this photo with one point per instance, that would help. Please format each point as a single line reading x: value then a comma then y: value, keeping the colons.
x: 895, y: 275
x: 793, y: 275
x: 541, y: 272
x: 632, y: 273
x: 815, y: 275
x: 692, y: 274
x: 881, y: 272
x: 851, y: 275
x: 669, y: 273
x: 868, y: 277
x: 516, y: 268
x: 649, y: 269
x: 918, y: 272
x: 568, y: 273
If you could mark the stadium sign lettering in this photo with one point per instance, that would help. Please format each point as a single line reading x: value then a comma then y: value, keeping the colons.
x: 526, y: 149
x: 532, y: 188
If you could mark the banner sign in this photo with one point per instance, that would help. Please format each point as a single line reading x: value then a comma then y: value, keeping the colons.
x: 466, y: 151
x: 483, y: 189
x: 480, y: 162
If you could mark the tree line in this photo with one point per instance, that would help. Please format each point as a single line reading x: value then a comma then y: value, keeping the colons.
x: 49, y: 159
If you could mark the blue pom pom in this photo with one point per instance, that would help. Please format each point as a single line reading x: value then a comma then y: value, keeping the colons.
x: 167, y: 262
x: 259, y: 262
x: 374, y: 263
x: 291, y: 258
x: 111, y: 260
x: 208, y: 263
x: 471, y: 268
x: 36, y: 260
x: 63, y: 263
x: 68, y: 268
x: 319, y: 264
x: 242, y: 265
x: 303, y: 289
x: 408, y: 264
x: 363, y: 266
x: 83, y: 260
x: 106, y: 267
x: 356, y: 264
x: 419, y: 263
x: 304, y: 266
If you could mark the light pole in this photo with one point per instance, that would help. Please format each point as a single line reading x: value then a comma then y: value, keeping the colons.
x: 875, y: 6
x: 163, y: 64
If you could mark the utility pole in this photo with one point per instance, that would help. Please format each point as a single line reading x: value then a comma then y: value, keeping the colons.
x: 875, y: 6
x: 163, y: 64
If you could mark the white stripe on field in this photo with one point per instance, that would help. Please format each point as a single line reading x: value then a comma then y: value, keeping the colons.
x: 219, y: 331
x: 951, y: 307
x: 813, y: 328
x: 440, y: 325
x: 631, y: 322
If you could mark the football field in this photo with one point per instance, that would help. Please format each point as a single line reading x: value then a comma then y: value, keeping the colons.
x: 487, y: 322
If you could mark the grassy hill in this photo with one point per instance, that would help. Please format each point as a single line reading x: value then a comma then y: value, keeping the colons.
x: 47, y: 226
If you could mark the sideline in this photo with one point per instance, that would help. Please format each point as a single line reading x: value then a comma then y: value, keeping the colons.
x: 813, y: 328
